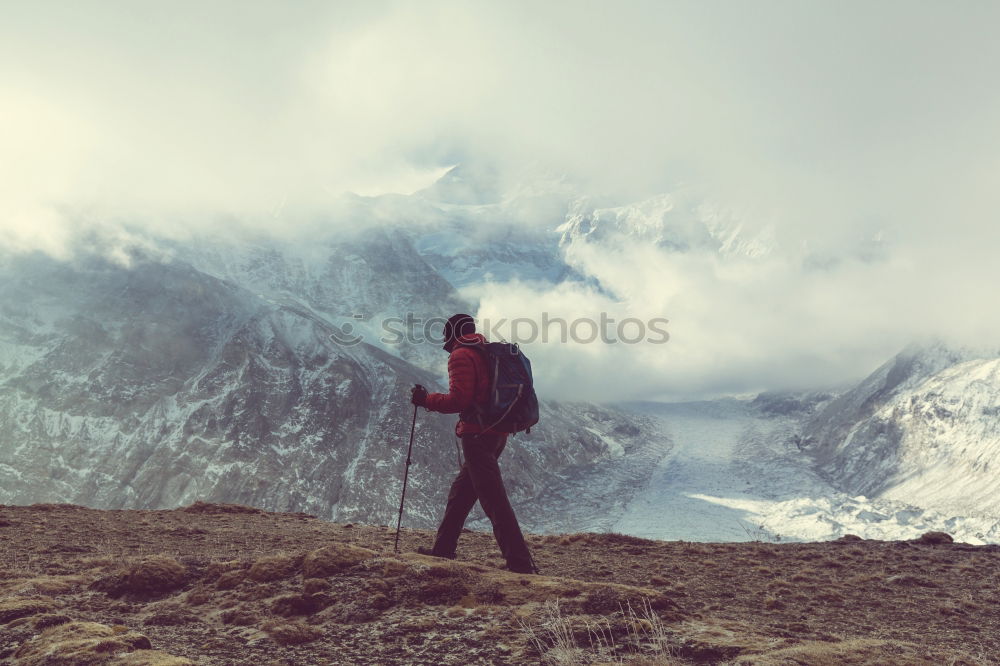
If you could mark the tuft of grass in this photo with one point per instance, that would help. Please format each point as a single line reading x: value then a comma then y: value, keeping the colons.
x: 638, y: 635
x: 773, y: 603
x: 567, y: 539
x: 16, y: 608
x: 291, y: 633
x: 275, y: 567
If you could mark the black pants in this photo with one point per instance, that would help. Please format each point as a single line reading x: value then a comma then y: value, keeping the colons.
x: 480, y: 480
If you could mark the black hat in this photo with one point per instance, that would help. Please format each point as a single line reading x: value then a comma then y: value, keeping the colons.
x: 457, y: 326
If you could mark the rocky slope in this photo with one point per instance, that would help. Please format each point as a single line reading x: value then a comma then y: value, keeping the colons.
x: 206, y: 370
x: 375, y: 273
x: 923, y: 428
x: 220, y: 585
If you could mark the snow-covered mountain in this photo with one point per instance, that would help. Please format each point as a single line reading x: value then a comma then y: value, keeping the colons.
x: 924, y: 428
x: 207, y: 372
x: 733, y: 470
x: 169, y: 370
x: 354, y: 280
x: 675, y: 222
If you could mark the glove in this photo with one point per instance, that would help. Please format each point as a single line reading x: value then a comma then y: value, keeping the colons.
x: 418, y: 396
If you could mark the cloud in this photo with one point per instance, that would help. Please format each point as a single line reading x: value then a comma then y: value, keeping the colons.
x: 826, y: 123
x: 806, y: 109
x: 750, y: 316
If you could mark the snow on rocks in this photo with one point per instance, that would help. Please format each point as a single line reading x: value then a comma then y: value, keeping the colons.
x: 735, y: 474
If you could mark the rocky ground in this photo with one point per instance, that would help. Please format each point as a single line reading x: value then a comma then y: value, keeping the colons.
x: 223, y: 584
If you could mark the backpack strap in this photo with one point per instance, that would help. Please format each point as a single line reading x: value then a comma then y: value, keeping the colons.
x: 520, y: 391
x: 476, y: 409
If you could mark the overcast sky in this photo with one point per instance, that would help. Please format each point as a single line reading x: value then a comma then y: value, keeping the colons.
x: 830, y: 121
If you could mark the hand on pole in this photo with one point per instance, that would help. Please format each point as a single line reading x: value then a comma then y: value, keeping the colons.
x: 418, y: 396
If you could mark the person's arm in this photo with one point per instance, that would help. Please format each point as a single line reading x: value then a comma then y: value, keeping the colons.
x: 461, y: 384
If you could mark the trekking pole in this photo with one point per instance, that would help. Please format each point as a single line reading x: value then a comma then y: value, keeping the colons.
x: 406, y: 475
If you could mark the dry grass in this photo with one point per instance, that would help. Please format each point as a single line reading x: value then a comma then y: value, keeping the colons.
x: 274, y: 567
x: 856, y: 652
x: 292, y: 633
x: 333, y: 559
x: 87, y: 643
x: 156, y: 574
x: 628, y: 636
x: 15, y: 608
x: 234, y: 585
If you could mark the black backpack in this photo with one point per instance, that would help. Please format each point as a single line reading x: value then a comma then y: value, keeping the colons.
x: 512, y: 405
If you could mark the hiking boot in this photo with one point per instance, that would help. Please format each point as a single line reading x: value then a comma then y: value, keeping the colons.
x: 521, y: 569
x: 430, y: 551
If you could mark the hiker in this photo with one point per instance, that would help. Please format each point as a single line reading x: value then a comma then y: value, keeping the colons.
x: 479, y: 478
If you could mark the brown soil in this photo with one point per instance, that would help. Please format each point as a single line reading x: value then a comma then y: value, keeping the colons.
x: 222, y: 584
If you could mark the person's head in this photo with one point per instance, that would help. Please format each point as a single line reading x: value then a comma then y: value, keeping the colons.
x: 457, y: 326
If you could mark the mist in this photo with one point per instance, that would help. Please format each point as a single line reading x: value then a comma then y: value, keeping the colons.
x: 825, y: 125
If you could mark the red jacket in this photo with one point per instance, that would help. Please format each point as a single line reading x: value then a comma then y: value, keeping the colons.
x: 468, y: 383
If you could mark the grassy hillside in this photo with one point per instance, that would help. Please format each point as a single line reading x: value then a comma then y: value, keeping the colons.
x: 225, y: 584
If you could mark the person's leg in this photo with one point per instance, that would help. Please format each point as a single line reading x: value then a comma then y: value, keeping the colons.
x: 461, y: 499
x: 481, y: 459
